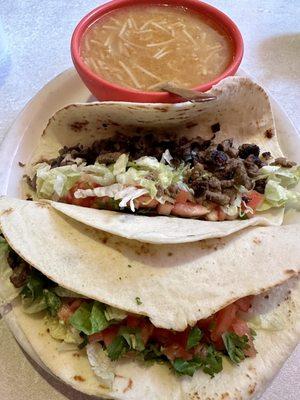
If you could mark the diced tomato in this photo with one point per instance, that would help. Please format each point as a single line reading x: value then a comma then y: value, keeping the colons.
x: 87, y: 202
x: 183, y: 196
x: 64, y: 313
x: 95, y: 337
x: 132, y: 321
x: 68, y: 309
x: 175, y: 350
x: 205, y: 323
x: 240, y: 327
x: 182, y: 337
x: 255, y: 199
x: 75, y: 304
x: 145, y: 326
x: 109, y: 334
x: 224, y: 320
x: 162, y: 336
x: 244, y: 303
x: 146, y: 330
x: 165, y: 209
x: 145, y: 202
x: 189, y: 210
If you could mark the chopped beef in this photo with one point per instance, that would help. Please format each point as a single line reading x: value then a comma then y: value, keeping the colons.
x: 246, y: 150
x: 214, y: 172
x: 269, y: 133
x: 225, y: 184
x: 214, y: 184
x: 260, y: 185
x: 215, y: 128
x: 216, y: 158
x: 218, y: 198
x: 108, y: 158
x: 241, y: 177
x: 266, y: 156
x: 283, y: 162
x: 251, y: 166
x: 21, y: 269
x: 199, y: 187
x: 225, y: 145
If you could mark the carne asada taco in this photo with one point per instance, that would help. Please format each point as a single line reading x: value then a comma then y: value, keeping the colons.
x: 217, y: 161
x: 84, y: 311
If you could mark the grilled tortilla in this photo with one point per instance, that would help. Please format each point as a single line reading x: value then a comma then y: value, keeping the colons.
x: 99, y: 155
x: 147, y: 281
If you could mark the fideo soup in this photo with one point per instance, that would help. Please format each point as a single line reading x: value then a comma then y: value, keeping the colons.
x: 143, y: 46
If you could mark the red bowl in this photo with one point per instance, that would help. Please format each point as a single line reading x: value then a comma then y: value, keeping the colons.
x: 104, y: 90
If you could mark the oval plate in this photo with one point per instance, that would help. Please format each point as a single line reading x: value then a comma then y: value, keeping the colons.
x: 67, y: 88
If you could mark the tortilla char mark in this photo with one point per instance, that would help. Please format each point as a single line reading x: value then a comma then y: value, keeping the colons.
x: 78, y: 378
x: 291, y: 272
x: 78, y: 126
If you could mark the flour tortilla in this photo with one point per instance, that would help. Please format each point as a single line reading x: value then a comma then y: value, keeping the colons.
x: 177, y: 284
x: 135, y: 380
x: 243, y: 110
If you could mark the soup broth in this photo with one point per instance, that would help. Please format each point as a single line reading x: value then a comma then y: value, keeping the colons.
x: 141, y: 47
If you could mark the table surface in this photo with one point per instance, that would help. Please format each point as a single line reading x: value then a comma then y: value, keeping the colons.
x: 37, y: 34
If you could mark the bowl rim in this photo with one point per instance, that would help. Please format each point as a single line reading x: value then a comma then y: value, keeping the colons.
x: 227, y: 24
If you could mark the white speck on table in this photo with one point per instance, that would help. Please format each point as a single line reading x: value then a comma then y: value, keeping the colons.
x: 37, y: 34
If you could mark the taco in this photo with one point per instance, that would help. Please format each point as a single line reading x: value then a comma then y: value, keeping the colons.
x: 217, y: 161
x: 111, y: 318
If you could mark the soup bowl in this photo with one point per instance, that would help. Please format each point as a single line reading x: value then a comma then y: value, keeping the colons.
x: 104, y: 90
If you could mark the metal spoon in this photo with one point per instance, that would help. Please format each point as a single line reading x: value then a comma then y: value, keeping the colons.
x: 186, y: 94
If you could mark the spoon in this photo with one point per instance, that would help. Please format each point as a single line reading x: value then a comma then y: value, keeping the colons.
x: 186, y: 94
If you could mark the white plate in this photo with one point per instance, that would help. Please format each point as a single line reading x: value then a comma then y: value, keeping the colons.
x: 65, y: 89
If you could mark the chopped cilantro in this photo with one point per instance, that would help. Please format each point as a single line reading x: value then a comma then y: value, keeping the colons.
x: 194, y: 337
x: 153, y: 353
x: 129, y: 266
x: 138, y: 301
x: 235, y: 346
x: 184, y: 367
x: 212, y: 363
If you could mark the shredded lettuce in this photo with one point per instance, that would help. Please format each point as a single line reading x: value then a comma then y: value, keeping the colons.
x: 56, y: 182
x: 116, y: 191
x: 123, y: 180
x: 288, y: 177
x: 166, y: 157
x: 34, y: 306
x: 115, y: 314
x: 62, y: 292
x: 100, y: 363
x: 120, y: 164
x: 89, y: 318
x: 280, y: 181
x: 7, y: 290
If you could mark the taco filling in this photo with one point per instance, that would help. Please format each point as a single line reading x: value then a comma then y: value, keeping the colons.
x: 159, y: 176
x: 110, y: 334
